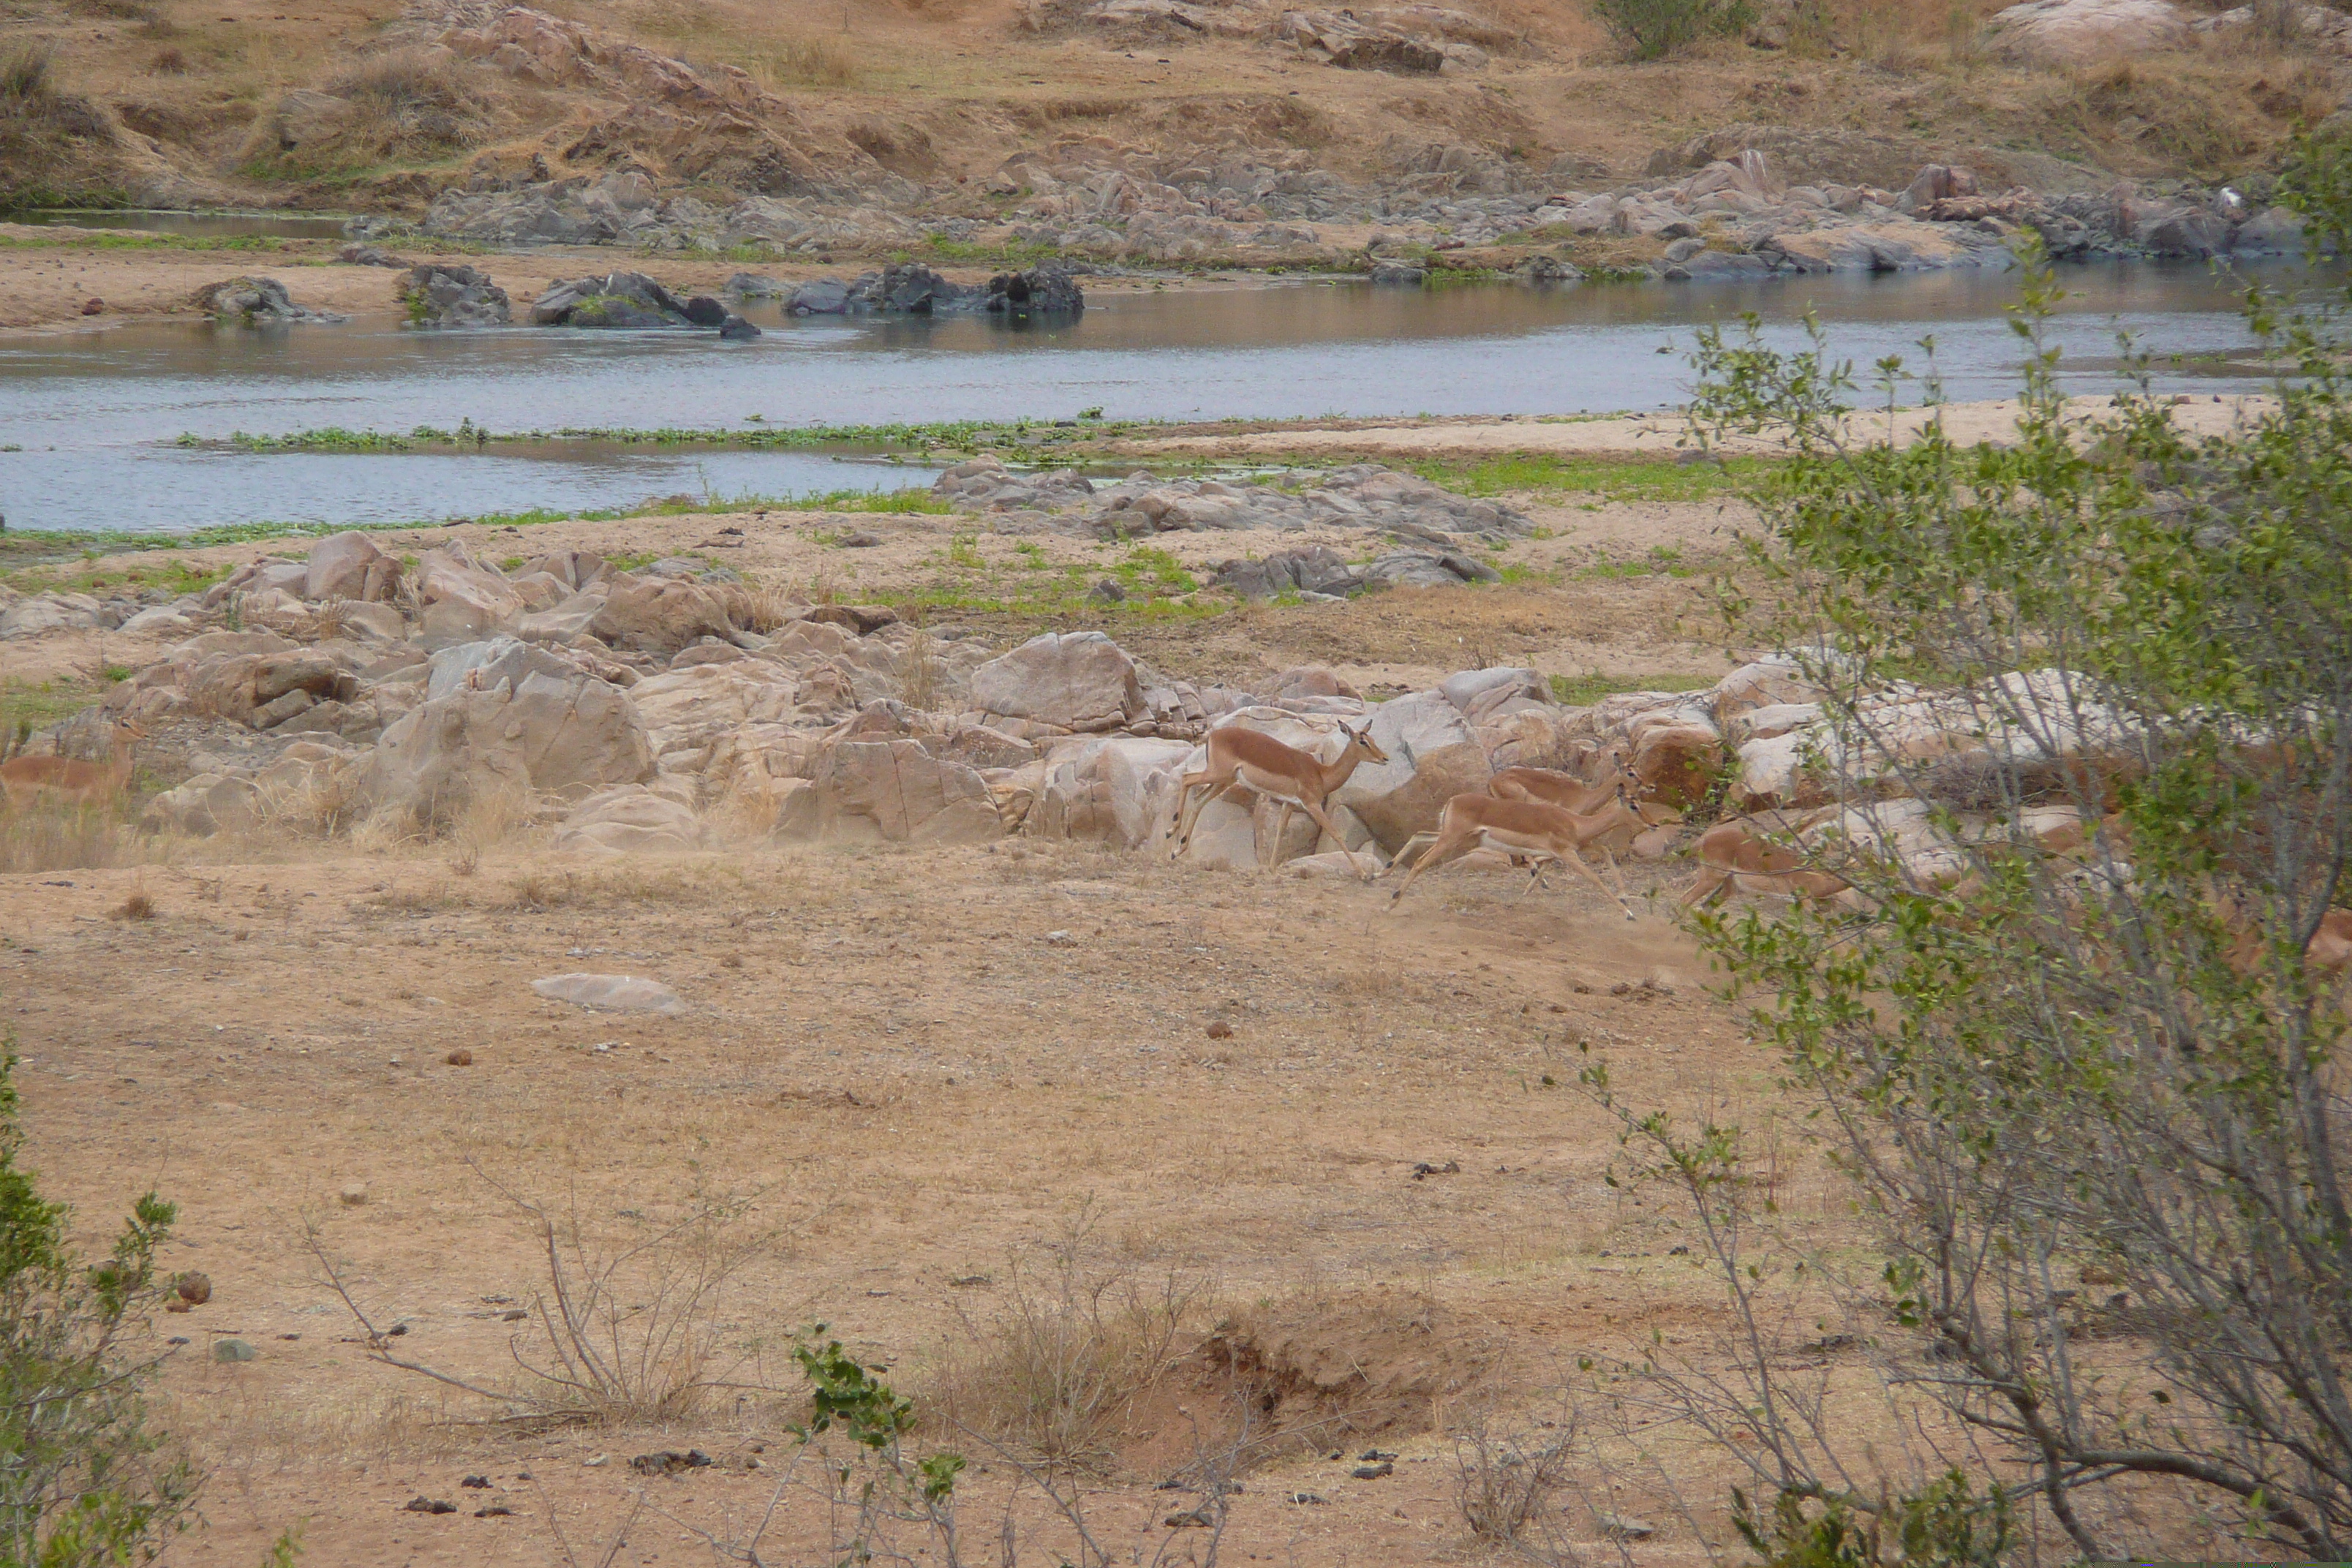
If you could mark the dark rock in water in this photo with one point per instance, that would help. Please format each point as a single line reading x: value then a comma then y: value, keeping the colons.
x: 735, y: 329
x: 454, y: 297
x: 752, y: 286
x: 615, y: 299
x: 1399, y: 274
x: 824, y: 296
x: 1047, y: 290
x: 910, y: 288
x: 705, y: 312
x: 257, y: 301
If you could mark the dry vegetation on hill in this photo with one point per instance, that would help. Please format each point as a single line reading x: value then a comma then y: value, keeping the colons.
x: 352, y: 103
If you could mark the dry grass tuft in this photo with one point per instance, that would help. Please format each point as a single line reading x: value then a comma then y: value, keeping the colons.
x: 59, y: 834
x: 403, y: 104
x: 806, y: 62
x: 1507, y: 1488
x: 1072, y: 1350
x: 137, y: 907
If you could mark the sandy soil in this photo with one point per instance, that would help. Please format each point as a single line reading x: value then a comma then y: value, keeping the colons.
x: 920, y: 1087
x: 1643, y: 435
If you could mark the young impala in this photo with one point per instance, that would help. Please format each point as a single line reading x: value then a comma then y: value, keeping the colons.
x: 1245, y: 759
x: 1528, y: 827
x: 27, y: 779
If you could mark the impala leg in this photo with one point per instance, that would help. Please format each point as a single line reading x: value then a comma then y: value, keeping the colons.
x: 1713, y: 880
x: 1577, y: 861
x: 1538, y: 864
x: 1449, y: 843
x: 1214, y: 792
x: 1204, y: 780
x: 1324, y: 823
x: 1271, y: 855
x: 1611, y: 861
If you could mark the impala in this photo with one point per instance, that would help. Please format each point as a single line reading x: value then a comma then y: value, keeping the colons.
x: 27, y: 778
x: 1566, y: 791
x: 1739, y: 856
x: 1532, y: 828
x: 1245, y: 759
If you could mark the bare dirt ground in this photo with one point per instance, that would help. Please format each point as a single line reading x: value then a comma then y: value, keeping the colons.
x: 920, y: 1081
x: 922, y: 1069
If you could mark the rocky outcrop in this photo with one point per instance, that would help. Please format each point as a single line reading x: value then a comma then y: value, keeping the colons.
x: 625, y: 299
x: 1364, y: 495
x: 545, y: 732
x: 1046, y: 290
x: 438, y: 296
x: 2074, y: 32
x: 256, y: 301
x: 892, y: 790
x: 1078, y: 681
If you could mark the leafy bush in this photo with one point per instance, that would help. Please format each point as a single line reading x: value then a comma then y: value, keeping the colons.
x: 1651, y: 29
x: 83, y: 1482
x: 2088, y: 1089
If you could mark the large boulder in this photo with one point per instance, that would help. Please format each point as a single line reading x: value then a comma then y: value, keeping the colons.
x: 661, y: 614
x: 263, y: 689
x: 48, y: 613
x: 1677, y: 754
x: 1079, y: 681
x: 207, y: 803
x: 545, y: 731
x: 1763, y: 684
x: 349, y: 566
x: 631, y: 819
x: 1434, y: 755
x: 1046, y: 290
x: 616, y: 299
x: 2075, y: 31
x: 893, y: 792
x: 463, y: 600
x: 442, y: 296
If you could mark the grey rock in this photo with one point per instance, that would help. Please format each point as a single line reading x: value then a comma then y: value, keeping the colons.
x: 1399, y: 274
x: 234, y: 1351
x: 752, y: 286
x: 369, y: 255
x: 705, y: 312
x: 735, y: 329
x: 911, y: 289
x: 257, y: 301
x: 616, y: 299
x: 440, y: 296
x: 1047, y: 290
x: 824, y: 296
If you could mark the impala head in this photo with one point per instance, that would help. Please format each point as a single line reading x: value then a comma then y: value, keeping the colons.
x: 1361, y: 741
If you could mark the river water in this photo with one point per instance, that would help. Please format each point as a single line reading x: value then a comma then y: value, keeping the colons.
x: 92, y: 416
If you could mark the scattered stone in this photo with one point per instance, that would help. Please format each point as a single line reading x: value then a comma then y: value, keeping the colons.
x: 423, y: 1504
x: 362, y: 255
x: 479, y: 1483
x: 460, y: 1057
x: 1309, y: 1500
x: 859, y: 540
x: 496, y: 1511
x: 1202, y: 1518
x: 354, y: 1195
x: 233, y: 1351
x: 611, y: 993
x: 1623, y: 1527
x: 1221, y: 1030
x: 1425, y: 1170
x: 195, y: 1288
x: 93, y: 306
x: 1373, y: 1472
x: 669, y: 1462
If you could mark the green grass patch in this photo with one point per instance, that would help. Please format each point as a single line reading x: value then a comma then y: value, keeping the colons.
x: 1663, y: 560
x: 1584, y: 690
x: 1618, y: 478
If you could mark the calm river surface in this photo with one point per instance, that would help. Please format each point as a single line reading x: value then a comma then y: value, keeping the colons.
x: 92, y: 415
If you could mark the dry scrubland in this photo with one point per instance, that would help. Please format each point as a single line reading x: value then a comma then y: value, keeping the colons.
x: 1164, y: 1171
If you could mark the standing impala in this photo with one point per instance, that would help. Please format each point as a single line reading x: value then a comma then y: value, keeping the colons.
x: 1528, y: 827
x: 27, y: 778
x: 1248, y: 760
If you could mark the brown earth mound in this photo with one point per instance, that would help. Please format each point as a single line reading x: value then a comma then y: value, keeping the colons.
x: 1384, y: 1362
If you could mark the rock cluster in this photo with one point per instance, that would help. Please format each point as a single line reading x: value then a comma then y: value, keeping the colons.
x: 1362, y: 495
x: 256, y: 301
x: 911, y: 288
x: 438, y: 296
x: 632, y: 300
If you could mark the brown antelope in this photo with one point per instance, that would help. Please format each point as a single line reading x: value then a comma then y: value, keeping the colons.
x: 1241, y: 758
x: 1566, y: 791
x: 1738, y: 857
x: 1528, y: 827
x: 27, y: 778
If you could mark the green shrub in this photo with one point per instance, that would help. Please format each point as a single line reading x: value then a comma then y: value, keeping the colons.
x: 83, y: 1482
x: 1651, y: 29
